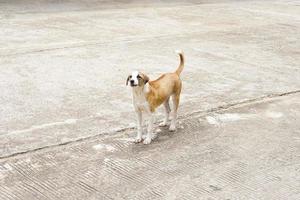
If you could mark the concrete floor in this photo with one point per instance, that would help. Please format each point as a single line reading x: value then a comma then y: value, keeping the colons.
x: 66, y: 116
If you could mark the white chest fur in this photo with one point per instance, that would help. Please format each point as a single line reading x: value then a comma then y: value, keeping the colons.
x: 139, y: 100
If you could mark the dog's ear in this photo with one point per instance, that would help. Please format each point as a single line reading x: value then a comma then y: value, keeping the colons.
x: 145, y: 78
x: 127, y: 79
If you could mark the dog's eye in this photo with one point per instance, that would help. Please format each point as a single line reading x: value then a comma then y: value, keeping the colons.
x: 138, y: 76
x: 130, y: 76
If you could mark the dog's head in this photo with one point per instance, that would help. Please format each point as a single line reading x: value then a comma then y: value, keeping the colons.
x: 137, y: 79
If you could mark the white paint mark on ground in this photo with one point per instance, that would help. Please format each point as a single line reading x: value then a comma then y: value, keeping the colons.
x: 98, y: 147
x: 43, y: 126
x: 70, y: 121
x: 212, y: 120
x: 158, y: 130
x: 106, y: 147
x: 98, y: 115
x: 274, y: 115
x: 227, y: 117
x: 7, y: 166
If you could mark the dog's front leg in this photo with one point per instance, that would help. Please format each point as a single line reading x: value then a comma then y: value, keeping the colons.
x: 139, y: 127
x: 148, y: 138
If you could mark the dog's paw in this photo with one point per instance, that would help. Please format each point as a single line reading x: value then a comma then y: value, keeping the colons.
x: 172, y: 128
x: 162, y: 124
x: 144, y: 137
x: 137, y: 139
x: 147, y: 140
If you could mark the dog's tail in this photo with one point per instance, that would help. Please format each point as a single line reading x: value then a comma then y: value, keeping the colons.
x: 181, y: 65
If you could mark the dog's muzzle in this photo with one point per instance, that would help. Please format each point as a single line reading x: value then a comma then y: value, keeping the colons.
x: 132, y: 83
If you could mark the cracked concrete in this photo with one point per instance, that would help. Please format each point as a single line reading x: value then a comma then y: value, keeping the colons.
x: 62, y: 82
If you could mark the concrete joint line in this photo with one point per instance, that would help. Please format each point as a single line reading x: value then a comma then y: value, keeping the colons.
x: 97, y: 43
x: 189, y: 115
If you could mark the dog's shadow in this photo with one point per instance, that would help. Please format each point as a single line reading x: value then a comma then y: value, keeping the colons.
x: 162, y: 136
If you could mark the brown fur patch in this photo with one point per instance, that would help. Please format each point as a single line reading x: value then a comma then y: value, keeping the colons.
x: 162, y: 88
x: 145, y: 78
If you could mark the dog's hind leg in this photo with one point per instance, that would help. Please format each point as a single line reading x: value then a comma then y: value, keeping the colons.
x: 167, y: 113
x: 175, y: 101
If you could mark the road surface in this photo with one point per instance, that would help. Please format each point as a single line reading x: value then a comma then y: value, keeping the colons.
x: 67, y: 120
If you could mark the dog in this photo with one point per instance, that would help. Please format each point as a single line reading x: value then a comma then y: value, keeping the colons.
x: 148, y: 95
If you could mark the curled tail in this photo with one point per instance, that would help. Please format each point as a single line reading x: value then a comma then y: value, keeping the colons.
x: 181, y: 65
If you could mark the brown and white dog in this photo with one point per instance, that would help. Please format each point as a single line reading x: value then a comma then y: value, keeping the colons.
x: 148, y: 95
